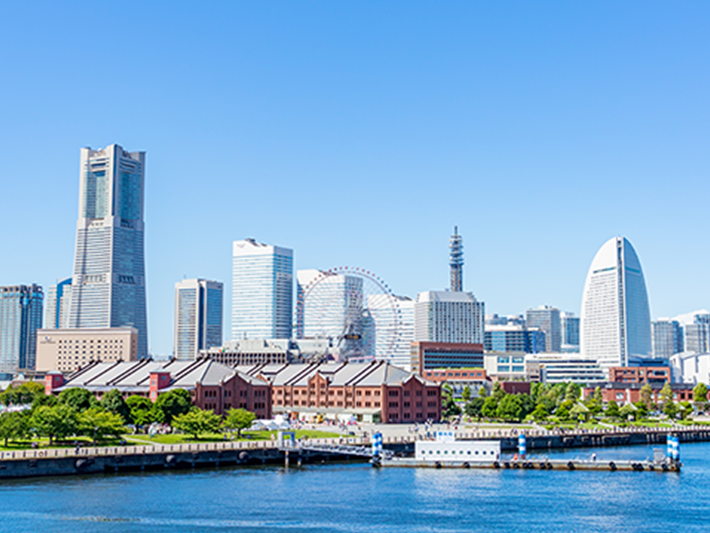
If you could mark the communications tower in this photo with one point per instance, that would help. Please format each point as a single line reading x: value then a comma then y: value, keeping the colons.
x: 456, y: 261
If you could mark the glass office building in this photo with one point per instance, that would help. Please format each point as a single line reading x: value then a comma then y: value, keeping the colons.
x: 20, y: 318
x: 616, y: 323
x: 56, y: 305
x: 262, y: 291
x: 108, y: 285
x: 198, y: 317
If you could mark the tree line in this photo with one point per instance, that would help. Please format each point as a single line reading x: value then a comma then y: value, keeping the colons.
x: 562, y: 402
x: 76, y: 412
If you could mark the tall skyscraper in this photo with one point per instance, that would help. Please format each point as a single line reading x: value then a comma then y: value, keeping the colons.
x: 456, y: 260
x: 108, y: 285
x: 616, y: 323
x: 20, y: 318
x: 453, y: 317
x: 262, y: 291
x: 667, y: 338
x: 570, y: 332
x: 547, y: 319
x: 697, y: 334
x: 198, y: 317
x: 56, y: 305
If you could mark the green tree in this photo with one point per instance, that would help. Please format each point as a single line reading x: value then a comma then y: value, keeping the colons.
x: 490, y: 406
x: 627, y: 411
x: 700, y: 395
x: 173, y: 403
x: 239, y: 419
x: 57, y: 422
x: 142, y: 410
x: 641, y: 410
x: 197, y: 422
x: 579, y: 412
x: 572, y: 392
x: 449, y: 407
x: 24, y: 394
x: 670, y: 410
x: 666, y: 394
x: 483, y: 392
x: 598, y: 397
x: 646, y: 395
x: 685, y: 409
x: 14, y: 425
x: 113, y: 402
x: 474, y: 408
x: 77, y: 398
x: 612, y: 409
x: 466, y: 393
x: 44, y: 400
x: 510, y: 408
x: 98, y: 424
x: 540, y: 413
x: 498, y: 392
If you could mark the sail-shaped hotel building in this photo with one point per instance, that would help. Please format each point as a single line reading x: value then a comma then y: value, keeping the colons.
x: 616, y: 321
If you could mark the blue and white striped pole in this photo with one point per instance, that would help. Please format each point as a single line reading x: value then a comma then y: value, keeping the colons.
x: 673, y: 450
x: 376, y: 444
x: 522, y: 445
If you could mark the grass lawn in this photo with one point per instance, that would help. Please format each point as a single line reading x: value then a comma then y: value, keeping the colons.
x: 180, y: 438
x: 44, y: 443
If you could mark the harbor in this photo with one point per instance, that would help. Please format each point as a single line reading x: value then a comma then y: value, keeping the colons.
x: 292, y: 453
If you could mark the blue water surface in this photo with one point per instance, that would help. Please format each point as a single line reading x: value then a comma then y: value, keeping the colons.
x: 358, y: 498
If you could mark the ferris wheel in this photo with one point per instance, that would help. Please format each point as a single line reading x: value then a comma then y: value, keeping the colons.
x: 353, y: 308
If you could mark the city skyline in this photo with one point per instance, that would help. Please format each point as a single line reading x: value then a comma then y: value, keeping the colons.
x: 362, y: 135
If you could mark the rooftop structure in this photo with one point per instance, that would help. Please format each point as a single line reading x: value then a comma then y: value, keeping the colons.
x: 211, y: 385
x: 371, y: 392
x: 456, y: 261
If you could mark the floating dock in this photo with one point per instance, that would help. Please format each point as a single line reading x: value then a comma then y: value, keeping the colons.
x: 538, y: 464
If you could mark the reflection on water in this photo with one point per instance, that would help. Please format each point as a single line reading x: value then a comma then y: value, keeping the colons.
x: 357, y: 498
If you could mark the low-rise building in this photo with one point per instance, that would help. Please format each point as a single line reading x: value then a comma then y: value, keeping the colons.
x: 371, y: 392
x: 460, y: 378
x: 690, y: 367
x: 431, y: 355
x: 511, y: 366
x: 565, y: 368
x: 640, y: 374
x: 68, y: 350
x: 211, y: 385
x: 623, y: 393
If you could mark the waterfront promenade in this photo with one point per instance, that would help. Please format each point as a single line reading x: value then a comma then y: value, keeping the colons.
x: 400, y: 438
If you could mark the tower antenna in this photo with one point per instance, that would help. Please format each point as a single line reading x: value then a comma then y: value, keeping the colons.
x: 456, y: 261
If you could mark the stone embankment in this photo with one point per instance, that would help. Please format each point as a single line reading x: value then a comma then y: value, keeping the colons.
x: 70, y: 461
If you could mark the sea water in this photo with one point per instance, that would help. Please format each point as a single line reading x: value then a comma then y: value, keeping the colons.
x: 359, y: 498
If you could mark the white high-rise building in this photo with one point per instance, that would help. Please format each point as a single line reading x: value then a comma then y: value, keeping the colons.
x: 108, y: 285
x: 198, y: 317
x: 443, y: 316
x: 262, y: 291
x: 615, y: 321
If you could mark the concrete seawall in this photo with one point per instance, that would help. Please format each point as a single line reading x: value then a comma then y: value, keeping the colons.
x: 64, y: 461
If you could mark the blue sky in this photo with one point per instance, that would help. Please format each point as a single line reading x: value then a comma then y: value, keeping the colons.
x: 360, y: 133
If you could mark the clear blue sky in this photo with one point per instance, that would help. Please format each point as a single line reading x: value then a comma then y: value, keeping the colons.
x: 359, y: 133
